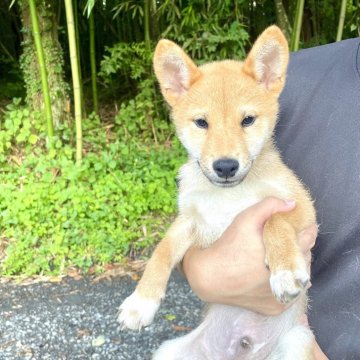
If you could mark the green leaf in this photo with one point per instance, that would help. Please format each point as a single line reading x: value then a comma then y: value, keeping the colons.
x: 52, y: 153
x: 170, y: 317
x: 112, y: 164
x: 33, y: 139
x: 88, y: 7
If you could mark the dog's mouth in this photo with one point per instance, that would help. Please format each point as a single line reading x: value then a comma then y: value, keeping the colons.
x: 229, y: 182
x: 226, y: 182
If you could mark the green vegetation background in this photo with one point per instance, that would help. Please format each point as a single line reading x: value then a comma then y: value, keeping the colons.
x: 116, y: 203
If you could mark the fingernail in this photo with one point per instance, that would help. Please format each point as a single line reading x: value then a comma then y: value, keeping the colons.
x: 289, y: 202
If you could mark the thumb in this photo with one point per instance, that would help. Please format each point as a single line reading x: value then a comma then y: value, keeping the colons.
x: 264, y: 209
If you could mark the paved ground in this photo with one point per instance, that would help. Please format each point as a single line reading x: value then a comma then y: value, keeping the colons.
x: 76, y: 320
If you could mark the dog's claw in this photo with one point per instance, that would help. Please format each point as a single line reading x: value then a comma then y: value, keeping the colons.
x: 287, y: 285
x: 303, y: 283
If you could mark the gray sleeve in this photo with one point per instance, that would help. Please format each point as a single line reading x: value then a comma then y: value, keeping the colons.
x: 318, y: 134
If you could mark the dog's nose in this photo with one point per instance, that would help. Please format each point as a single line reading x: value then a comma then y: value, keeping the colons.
x: 226, y: 168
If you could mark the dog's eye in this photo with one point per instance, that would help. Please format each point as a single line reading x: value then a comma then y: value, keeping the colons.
x: 201, y: 123
x: 248, y: 121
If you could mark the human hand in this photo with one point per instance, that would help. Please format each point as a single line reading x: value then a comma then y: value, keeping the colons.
x: 232, y: 270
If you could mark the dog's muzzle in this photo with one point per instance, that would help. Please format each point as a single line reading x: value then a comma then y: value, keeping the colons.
x: 226, y: 172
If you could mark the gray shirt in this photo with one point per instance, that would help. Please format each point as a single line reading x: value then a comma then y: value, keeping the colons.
x: 319, y: 137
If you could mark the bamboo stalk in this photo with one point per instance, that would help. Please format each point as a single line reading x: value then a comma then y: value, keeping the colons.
x: 147, y: 24
x: 75, y: 78
x: 42, y: 68
x: 295, y: 37
x: 341, y: 21
x: 77, y: 37
x: 93, y: 61
x: 155, y: 19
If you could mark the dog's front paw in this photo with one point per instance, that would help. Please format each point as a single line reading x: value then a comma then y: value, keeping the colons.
x: 136, y: 312
x: 286, y: 285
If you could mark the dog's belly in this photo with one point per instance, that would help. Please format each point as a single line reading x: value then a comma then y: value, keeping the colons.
x: 232, y: 333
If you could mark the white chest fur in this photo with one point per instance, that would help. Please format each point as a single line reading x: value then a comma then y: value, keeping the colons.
x: 211, y: 209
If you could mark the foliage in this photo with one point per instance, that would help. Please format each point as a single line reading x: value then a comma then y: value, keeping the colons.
x: 18, y: 130
x: 130, y: 60
x: 144, y: 110
x: 56, y: 214
x: 143, y: 116
x: 320, y: 21
x: 208, y: 33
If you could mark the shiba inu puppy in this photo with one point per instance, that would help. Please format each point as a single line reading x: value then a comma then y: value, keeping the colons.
x: 225, y: 113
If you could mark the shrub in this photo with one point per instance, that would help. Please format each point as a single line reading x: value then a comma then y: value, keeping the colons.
x: 54, y: 214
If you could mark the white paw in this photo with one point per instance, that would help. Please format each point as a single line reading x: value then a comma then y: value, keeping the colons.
x: 136, y: 312
x: 286, y: 285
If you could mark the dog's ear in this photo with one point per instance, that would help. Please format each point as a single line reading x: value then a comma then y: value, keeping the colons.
x: 268, y: 59
x: 175, y: 71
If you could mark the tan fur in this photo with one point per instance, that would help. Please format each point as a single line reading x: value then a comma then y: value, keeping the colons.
x: 164, y: 258
x: 224, y: 93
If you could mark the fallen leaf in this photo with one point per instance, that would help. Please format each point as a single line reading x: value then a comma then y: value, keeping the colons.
x: 83, y: 332
x: 135, y: 277
x: 181, y: 328
x: 74, y: 273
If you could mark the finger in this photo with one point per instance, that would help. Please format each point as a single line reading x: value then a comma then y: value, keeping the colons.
x: 264, y: 209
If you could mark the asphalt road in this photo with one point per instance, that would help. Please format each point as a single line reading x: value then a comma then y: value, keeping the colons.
x: 77, y: 320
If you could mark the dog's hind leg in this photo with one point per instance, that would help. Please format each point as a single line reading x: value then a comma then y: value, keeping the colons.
x: 181, y: 348
x: 296, y: 344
